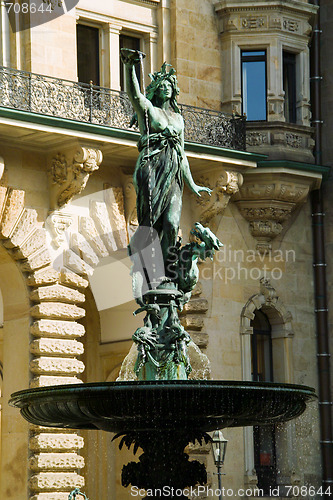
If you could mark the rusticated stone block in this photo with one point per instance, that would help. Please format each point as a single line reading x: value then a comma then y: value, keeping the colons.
x: 48, y: 380
x: 200, y: 339
x: 25, y: 225
x: 43, y: 277
x: 56, y: 461
x: 89, y: 231
x: 57, y: 310
x: 3, y: 194
x: 198, y: 306
x: 39, y: 259
x: 57, y: 293
x: 51, y: 496
x: 48, y: 365
x: 72, y: 279
x: 74, y: 262
x: 197, y: 290
x: 114, y: 199
x: 57, y: 329
x: 13, y: 208
x: 56, y: 481
x: 56, y: 346
x: 198, y: 448
x: 194, y: 322
x: 56, y: 442
x: 83, y: 249
x: 99, y: 213
x: 36, y: 241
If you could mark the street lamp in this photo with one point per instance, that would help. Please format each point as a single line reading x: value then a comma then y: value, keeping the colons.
x: 219, y: 447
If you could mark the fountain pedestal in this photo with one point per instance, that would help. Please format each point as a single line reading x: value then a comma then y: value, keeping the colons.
x: 162, y: 417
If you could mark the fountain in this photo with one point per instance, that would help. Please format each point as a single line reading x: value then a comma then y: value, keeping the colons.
x: 162, y: 411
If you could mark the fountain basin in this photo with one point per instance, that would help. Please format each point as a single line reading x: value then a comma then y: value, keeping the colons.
x: 191, y: 405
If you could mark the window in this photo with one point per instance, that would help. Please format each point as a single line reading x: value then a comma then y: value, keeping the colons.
x: 128, y: 42
x: 254, y: 101
x: 289, y: 86
x: 88, y: 54
x: 262, y: 371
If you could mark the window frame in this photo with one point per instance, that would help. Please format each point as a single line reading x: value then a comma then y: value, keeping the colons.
x: 138, y: 36
x: 267, y: 474
x: 98, y: 27
x: 255, y: 58
x: 286, y: 52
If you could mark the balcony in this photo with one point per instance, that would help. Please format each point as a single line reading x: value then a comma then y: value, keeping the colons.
x: 53, y: 97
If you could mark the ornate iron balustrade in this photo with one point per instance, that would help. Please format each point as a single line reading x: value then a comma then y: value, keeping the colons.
x: 102, y: 106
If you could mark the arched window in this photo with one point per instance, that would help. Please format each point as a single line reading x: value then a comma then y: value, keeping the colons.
x: 262, y: 371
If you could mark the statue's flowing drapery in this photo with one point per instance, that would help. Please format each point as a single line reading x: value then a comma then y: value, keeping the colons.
x: 158, y: 181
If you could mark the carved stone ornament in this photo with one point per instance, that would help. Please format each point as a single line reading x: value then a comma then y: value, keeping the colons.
x: 69, y: 178
x: 57, y: 223
x: 227, y: 184
x: 269, y: 197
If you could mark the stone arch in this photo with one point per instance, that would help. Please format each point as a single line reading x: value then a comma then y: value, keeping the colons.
x: 46, y: 305
x: 280, y: 319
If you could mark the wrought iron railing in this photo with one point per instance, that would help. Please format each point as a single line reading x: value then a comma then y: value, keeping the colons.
x: 102, y: 106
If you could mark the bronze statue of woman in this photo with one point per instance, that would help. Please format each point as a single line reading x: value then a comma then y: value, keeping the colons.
x: 162, y: 165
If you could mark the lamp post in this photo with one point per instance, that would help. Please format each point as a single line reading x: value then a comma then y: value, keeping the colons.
x: 219, y: 447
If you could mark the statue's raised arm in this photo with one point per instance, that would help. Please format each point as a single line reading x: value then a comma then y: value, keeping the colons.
x: 140, y: 103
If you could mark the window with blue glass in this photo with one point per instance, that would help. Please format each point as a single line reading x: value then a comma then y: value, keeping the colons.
x: 254, y: 86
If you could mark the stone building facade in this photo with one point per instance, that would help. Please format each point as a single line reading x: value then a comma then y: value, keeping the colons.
x: 67, y: 209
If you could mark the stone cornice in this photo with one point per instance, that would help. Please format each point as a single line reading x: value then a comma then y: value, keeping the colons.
x: 301, y: 8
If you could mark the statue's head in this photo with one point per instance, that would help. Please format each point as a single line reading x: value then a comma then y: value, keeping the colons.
x: 164, y: 85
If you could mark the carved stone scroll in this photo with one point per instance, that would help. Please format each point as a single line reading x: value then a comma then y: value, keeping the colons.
x: 226, y: 185
x: 69, y: 178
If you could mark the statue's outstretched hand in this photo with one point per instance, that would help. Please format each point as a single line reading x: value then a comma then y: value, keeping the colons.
x: 202, y: 189
x: 131, y: 57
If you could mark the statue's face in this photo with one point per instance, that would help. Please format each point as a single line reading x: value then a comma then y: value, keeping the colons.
x: 165, y: 90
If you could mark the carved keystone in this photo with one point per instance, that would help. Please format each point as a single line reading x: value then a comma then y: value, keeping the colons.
x: 69, y: 178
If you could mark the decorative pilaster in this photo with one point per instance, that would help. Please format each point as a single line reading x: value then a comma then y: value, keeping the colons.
x: 69, y: 177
